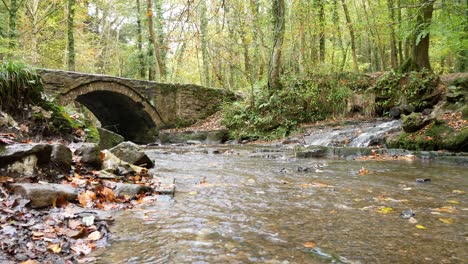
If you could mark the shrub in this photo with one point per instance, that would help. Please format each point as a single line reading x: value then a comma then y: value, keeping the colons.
x: 274, y: 114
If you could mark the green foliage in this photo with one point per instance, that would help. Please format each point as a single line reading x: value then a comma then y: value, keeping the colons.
x: 276, y: 113
x: 411, y: 88
x: 20, y: 86
x: 21, y: 90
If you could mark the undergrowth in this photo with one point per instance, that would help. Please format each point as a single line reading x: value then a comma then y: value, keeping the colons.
x: 22, y: 95
x: 396, y: 89
x: 275, y: 114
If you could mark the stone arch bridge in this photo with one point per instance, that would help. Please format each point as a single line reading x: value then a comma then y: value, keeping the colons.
x: 135, y: 109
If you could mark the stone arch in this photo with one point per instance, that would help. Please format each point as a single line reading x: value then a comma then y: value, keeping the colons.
x: 119, y: 108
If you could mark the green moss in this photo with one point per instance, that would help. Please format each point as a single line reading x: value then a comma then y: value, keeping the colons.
x: 437, y: 136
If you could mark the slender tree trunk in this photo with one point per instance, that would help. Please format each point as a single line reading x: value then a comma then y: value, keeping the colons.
x: 274, y: 71
x: 141, y: 58
x: 161, y: 37
x: 206, y: 80
x: 351, y: 33
x: 71, y: 35
x: 322, y: 30
x: 393, y: 47
x: 400, y: 42
x: 154, y: 41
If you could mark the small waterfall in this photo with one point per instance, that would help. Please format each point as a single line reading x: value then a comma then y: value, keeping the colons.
x: 354, y: 135
x: 375, y: 133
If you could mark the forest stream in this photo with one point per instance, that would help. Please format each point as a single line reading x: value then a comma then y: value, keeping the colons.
x: 247, y: 204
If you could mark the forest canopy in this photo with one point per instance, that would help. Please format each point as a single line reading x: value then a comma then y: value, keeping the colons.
x: 230, y: 44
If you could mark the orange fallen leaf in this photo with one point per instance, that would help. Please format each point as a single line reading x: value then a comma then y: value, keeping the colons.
x: 86, y: 198
x: 309, y: 244
x: 96, y: 235
x: 363, y: 171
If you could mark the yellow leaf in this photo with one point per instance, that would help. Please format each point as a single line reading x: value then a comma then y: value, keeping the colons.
x: 30, y: 261
x: 453, y: 201
x: 54, y: 248
x: 309, y: 244
x: 386, y: 210
x: 447, y: 221
x: 96, y: 235
x: 420, y: 227
x: 458, y: 192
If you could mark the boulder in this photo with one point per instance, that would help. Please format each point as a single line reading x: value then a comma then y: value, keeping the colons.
x: 17, y: 152
x: 414, y: 122
x: 131, y: 153
x: 90, y: 153
x: 43, y: 195
x: 108, y: 139
x: 61, y: 156
x: 114, y: 165
x: 25, y: 167
x: 130, y: 190
x: 395, y: 112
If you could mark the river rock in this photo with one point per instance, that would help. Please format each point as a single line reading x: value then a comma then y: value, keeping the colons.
x: 26, y: 166
x: 90, y: 153
x: 414, y: 122
x: 61, y: 156
x: 311, y: 152
x: 130, y: 190
x: 11, y: 153
x: 43, y: 195
x: 395, y: 112
x: 131, y: 153
x: 108, y: 139
x: 113, y: 164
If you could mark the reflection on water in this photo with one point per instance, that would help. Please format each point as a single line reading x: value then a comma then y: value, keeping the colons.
x: 255, y: 209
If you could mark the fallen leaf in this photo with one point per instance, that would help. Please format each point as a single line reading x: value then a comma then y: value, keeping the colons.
x: 54, y: 248
x: 309, y: 244
x: 458, y: 192
x: 96, y: 235
x: 86, y: 198
x: 447, y: 221
x: 30, y: 261
x: 386, y: 210
x: 412, y: 220
x: 453, y: 201
x: 446, y: 209
x: 420, y: 227
x: 81, y: 248
x: 363, y: 171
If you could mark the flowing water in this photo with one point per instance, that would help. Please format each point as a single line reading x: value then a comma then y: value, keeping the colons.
x: 362, y: 134
x: 256, y: 207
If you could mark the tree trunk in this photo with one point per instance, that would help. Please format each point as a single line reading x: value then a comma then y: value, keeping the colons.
x: 141, y: 59
x: 393, y: 47
x: 419, y: 59
x: 206, y: 80
x: 71, y: 35
x: 322, y: 30
x: 351, y: 33
x: 274, y: 71
x: 154, y: 41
